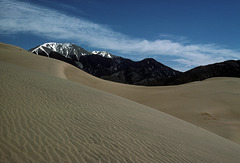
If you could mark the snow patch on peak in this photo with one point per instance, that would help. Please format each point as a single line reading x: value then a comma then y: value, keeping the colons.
x: 68, y: 50
x: 56, y: 46
x: 64, y: 49
x: 95, y: 52
x: 103, y: 54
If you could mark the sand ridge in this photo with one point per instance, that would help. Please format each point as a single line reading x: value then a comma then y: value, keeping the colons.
x: 16, y: 55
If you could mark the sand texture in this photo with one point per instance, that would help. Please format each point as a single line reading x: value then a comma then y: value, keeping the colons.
x: 45, y: 118
x: 212, y: 104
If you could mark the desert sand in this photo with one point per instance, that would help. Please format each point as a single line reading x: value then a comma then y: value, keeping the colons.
x: 46, y: 118
x: 212, y: 104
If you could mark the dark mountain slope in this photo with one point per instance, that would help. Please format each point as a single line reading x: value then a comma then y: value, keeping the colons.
x: 229, y: 68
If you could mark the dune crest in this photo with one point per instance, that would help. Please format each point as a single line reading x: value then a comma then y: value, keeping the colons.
x: 16, y: 55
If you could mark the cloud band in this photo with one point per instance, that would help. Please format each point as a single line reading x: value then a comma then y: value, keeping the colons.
x: 17, y: 17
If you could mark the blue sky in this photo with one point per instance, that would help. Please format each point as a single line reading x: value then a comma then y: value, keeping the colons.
x: 179, y: 33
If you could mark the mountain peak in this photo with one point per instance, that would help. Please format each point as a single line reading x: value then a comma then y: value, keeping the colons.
x: 148, y: 60
x: 103, y: 54
x: 67, y: 50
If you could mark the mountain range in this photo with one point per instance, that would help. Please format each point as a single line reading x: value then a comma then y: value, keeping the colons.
x: 146, y: 72
x: 107, y: 66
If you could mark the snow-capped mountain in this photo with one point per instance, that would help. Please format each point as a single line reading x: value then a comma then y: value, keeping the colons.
x: 68, y: 50
x: 104, y: 54
x: 107, y: 66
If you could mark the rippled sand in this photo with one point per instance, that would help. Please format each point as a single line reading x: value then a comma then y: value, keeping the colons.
x: 45, y: 118
x: 211, y: 104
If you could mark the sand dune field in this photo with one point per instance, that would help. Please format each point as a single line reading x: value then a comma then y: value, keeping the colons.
x: 46, y: 118
x: 212, y: 104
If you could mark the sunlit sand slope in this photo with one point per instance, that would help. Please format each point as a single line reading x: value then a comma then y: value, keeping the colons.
x: 47, y: 119
x: 44, y: 118
x: 212, y: 104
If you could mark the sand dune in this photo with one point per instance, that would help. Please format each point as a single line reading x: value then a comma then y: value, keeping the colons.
x: 212, y: 104
x: 48, y: 119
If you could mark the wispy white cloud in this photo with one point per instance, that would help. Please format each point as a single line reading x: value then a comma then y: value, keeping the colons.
x: 166, y: 36
x: 20, y: 17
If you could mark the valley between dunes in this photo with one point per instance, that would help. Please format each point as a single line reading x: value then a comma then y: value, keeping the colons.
x: 51, y: 111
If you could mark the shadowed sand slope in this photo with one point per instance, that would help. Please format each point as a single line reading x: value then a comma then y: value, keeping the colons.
x: 48, y: 119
